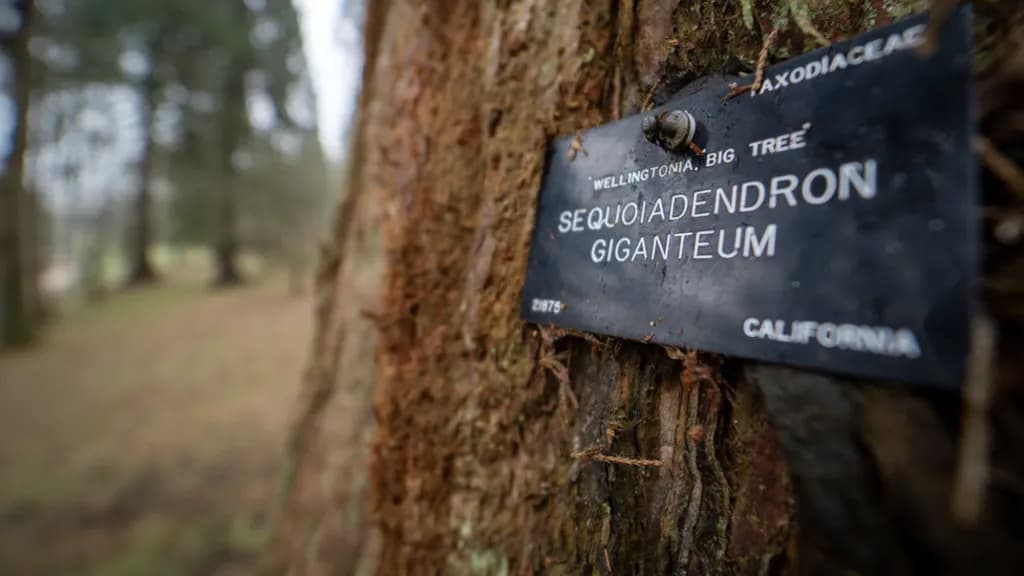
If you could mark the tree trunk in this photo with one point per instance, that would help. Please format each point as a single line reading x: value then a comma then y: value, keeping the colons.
x: 491, y: 453
x: 232, y: 129
x: 34, y: 231
x: 142, y: 270
x: 16, y: 275
x: 226, y: 251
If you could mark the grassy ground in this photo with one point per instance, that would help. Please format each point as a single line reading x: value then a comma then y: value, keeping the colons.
x: 145, y: 434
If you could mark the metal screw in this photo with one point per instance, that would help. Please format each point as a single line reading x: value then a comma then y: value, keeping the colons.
x: 672, y: 130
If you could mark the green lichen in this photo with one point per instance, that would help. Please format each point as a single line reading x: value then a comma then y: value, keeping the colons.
x: 801, y: 14
x: 488, y: 562
x: 903, y: 8
x: 748, y: 14
x: 870, y: 15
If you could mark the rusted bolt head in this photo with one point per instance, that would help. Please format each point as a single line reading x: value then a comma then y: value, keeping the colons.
x: 677, y: 128
x: 672, y: 130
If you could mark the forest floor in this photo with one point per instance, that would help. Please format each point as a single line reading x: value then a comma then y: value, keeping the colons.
x: 145, y: 434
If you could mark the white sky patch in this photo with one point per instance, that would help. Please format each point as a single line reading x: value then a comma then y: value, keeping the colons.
x: 334, y: 68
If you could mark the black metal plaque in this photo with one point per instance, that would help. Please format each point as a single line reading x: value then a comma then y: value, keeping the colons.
x: 829, y: 223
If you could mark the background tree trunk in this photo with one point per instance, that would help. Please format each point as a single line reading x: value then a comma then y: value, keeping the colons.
x: 231, y: 134
x: 16, y: 273
x: 482, y: 461
x: 35, y: 232
x: 142, y: 270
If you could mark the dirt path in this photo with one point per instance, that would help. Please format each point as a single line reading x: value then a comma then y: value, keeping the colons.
x: 146, y: 435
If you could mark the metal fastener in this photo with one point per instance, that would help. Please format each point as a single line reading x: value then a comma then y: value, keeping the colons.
x: 672, y: 129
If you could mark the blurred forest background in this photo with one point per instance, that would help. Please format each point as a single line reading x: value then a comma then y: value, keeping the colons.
x: 156, y: 152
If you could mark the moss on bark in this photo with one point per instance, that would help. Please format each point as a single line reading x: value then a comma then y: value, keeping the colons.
x: 479, y: 417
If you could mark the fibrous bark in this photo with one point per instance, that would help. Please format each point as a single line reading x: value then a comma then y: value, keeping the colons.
x: 509, y: 449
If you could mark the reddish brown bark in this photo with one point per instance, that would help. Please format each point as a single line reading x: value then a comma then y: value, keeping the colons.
x: 478, y: 417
